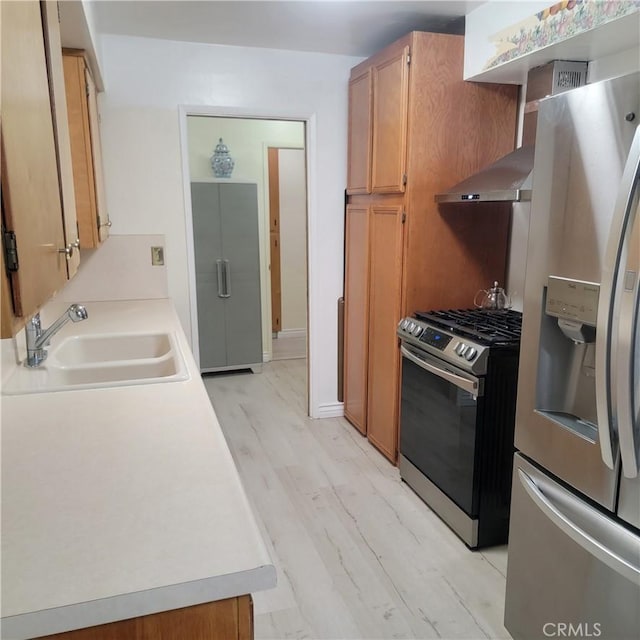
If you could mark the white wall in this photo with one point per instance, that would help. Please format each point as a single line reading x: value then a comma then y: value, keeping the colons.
x: 488, y: 20
x: 293, y: 231
x: 147, y: 80
x: 78, y: 31
x: 120, y: 269
x: 248, y: 141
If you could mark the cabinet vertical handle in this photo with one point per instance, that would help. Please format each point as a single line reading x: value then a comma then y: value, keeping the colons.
x: 220, y: 282
x: 227, y: 279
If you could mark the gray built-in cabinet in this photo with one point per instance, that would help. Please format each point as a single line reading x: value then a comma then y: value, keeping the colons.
x: 227, y: 265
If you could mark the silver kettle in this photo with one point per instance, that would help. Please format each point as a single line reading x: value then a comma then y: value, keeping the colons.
x: 494, y: 298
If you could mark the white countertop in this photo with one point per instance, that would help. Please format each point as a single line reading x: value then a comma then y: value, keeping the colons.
x: 120, y: 502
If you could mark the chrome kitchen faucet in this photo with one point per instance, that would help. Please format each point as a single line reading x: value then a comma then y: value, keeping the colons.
x: 37, y: 339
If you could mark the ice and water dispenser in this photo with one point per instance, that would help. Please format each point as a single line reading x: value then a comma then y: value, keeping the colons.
x: 566, y: 385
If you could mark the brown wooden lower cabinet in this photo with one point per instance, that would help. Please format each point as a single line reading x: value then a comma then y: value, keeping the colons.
x: 230, y: 619
x: 373, y: 303
x: 385, y: 303
x: 356, y: 315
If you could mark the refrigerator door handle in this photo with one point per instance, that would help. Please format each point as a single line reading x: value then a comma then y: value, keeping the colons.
x: 628, y: 333
x: 607, y: 356
x: 219, y: 276
x: 603, y: 538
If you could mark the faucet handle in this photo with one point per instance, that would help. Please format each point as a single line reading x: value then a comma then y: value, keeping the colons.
x: 77, y: 312
x: 35, y: 322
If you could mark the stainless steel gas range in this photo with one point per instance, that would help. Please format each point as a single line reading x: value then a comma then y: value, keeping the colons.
x: 458, y: 397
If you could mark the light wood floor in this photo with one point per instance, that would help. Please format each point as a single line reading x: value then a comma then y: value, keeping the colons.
x: 358, y: 554
x: 287, y: 348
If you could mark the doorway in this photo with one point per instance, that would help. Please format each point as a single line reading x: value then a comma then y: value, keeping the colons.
x: 249, y: 141
x: 288, y: 275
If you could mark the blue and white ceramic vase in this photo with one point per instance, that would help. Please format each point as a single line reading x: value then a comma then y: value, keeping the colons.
x: 221, y: 162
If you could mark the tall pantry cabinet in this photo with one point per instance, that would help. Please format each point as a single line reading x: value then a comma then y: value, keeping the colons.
x: 415, y: 128
x: 227, y: 265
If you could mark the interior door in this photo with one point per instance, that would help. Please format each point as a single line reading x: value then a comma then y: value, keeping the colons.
x: 274, y: 239
x: 241, y: 269
x: 385, y: 293
x: 207, y: 238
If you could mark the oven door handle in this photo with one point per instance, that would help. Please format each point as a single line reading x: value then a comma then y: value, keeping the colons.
x: 471, y: 386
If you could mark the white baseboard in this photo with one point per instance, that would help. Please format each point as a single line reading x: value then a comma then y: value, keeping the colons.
x: 292, y: 333
x: 329, y: 410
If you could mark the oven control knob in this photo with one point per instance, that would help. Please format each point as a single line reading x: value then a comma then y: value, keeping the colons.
x: 470, y: 353
x: 417, y: 331
x: 404, y: 324
x: 412, y: 326
x: 461, y: 347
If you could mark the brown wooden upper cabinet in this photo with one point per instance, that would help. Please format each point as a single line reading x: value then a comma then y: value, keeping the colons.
x: 36, y: 251
x: 359, y: 142
x: 86, y: 152
x: 378, y: 109
x: 53, y: 46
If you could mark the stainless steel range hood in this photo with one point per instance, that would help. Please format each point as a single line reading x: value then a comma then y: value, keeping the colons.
x: 510, y: 179
x: 507, y: 180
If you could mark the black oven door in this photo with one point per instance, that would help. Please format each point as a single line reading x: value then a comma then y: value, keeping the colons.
x: 441, y: 408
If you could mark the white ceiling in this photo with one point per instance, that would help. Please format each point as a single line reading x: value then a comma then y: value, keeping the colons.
x: 357, y: 28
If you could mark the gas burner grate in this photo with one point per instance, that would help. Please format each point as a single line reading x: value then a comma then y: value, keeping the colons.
x: 490, y: 327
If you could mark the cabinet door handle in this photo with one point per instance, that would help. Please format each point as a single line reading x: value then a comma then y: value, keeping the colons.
x: 68, y: 250
x: 219, y: 275
x: 227, y: 279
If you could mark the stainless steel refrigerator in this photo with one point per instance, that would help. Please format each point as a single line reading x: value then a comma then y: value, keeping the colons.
x: 574, y: 541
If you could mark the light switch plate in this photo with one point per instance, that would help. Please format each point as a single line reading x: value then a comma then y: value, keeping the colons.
x: 157, y: 256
